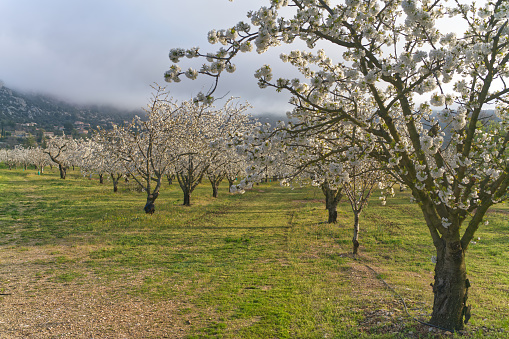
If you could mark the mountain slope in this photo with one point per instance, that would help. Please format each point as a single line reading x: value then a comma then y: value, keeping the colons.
x: 16, y: 107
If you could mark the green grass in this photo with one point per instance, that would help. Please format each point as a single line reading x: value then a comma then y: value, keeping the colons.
x: 259, y: 265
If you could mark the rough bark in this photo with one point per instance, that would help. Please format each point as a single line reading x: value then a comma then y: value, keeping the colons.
x: 355, y: 239
x: 150, y: 206
x: 187, y: 198
x: 450, y: 310
x: 333, y: 214
x: 332, y: 198
x: 63, y: 171
x: 101, y: 178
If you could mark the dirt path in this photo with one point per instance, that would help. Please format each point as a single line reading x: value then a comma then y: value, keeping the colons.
x: 33, y: 305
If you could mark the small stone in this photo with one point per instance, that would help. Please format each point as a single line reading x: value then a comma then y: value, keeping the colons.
x: 448, y: 333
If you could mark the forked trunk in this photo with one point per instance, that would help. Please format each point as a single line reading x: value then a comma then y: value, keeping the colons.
x: 63, y: 171
x: 215, y: 181
x: 115, y: 182
x: 450, y: 310
x: 150, y: 206
x: 355, y: 239
x: 332, y: 198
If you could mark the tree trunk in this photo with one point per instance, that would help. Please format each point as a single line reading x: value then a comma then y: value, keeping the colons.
x: 332, y: 198
x: 215, y: 181
x: 150, y: 206
x: 187, y: 198
x: 333, y: 213
x: 450, y: 288
x: 101, y: 179
x: 115, y: 182
x: 63, y: 170
x: 355, y: 239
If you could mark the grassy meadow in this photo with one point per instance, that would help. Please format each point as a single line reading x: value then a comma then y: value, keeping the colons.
x: 259, y: 265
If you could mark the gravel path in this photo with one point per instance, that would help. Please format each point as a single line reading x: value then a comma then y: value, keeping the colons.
x: 33, y: 305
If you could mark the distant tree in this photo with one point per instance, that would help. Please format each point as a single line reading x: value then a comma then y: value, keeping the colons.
x: 146, y: 147
x: 68, y: 127
x: 205, y: 149
x: 40, y: 135
x: 38, y: 158
x: 29, y: 141
x: 60, y: 150
x: 95, y: 157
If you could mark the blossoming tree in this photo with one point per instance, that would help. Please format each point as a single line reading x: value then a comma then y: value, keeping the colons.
x: 205, y: 149
x: 392, y: 54
x: 38, y: 158
x: 230, y: 123
x: 7, y: 156
x: 61, y: 151
x: 146, y: 147
x: 96, y: 157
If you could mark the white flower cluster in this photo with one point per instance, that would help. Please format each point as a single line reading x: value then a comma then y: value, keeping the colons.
x: 264, y: 75
x: 172, y: 75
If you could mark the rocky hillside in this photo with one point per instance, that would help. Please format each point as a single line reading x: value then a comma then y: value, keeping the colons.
x: 47, y: 112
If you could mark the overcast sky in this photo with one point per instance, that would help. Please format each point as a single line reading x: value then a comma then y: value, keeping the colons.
x: 110, y: 52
